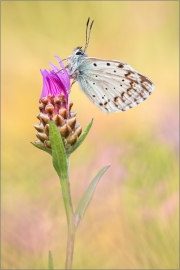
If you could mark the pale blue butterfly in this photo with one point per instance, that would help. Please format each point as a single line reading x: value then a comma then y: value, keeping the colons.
x: 113, y: 86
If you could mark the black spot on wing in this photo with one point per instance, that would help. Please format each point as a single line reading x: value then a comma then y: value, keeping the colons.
x: 120, y: 66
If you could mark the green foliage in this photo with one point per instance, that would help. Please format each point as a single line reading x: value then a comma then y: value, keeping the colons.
x: 59, y: 157
x: 87, y: 196
x: 50, y: 261
x: 48, y: 150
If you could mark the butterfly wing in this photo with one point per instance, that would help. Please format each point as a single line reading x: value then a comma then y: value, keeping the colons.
x: 113, y: 86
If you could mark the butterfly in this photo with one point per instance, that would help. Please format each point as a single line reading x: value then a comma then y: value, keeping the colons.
x: 112, y: 85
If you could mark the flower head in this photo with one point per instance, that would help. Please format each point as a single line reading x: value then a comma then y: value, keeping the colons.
x: 55, y: 105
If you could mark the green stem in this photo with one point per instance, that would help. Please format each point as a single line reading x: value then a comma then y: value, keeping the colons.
x: 65, y: 185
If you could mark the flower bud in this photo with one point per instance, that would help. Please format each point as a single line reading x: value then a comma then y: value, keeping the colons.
x: 55, y: 105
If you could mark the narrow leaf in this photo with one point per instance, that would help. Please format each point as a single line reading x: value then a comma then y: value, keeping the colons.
x: 80, y: 139
x: 60, y: 162
x: 49, y: 151
x: 50, y: 261
x: 87, y: 196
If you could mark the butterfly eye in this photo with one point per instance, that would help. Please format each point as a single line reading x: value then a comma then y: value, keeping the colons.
x: 78, y: 53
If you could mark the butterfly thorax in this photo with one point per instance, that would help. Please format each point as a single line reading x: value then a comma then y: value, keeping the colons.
x: 74, y: 61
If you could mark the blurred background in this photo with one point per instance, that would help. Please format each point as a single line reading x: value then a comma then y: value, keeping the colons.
x: 132, y: 221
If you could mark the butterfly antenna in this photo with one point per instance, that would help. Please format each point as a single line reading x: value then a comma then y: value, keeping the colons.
x: 88, y: 36
x: 87, y: 30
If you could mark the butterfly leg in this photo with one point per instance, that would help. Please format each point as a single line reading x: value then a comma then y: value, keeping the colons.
x: 73, y: 82
x: 74, y: 77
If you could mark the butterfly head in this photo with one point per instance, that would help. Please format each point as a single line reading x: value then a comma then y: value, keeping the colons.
x: 78, y: 52
x: 74, y: 60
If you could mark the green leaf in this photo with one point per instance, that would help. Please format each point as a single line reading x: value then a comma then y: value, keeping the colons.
x: 59, y: 157
x: 50, y: 261
x: 87, y: 196
x: 49, y: 151
x: 71, y: 149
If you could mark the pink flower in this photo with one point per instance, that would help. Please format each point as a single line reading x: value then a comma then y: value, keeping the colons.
x: 55, y: 105
x: 56, y: 84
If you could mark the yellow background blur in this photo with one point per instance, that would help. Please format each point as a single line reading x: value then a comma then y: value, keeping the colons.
x: 132, y: 221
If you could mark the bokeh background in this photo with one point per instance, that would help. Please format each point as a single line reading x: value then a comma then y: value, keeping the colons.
x: 132, y: 221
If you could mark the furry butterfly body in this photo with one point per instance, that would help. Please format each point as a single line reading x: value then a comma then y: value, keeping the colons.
x: 113, y: 86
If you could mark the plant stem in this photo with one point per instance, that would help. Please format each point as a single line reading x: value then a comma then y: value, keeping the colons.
x: 65, y: 185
